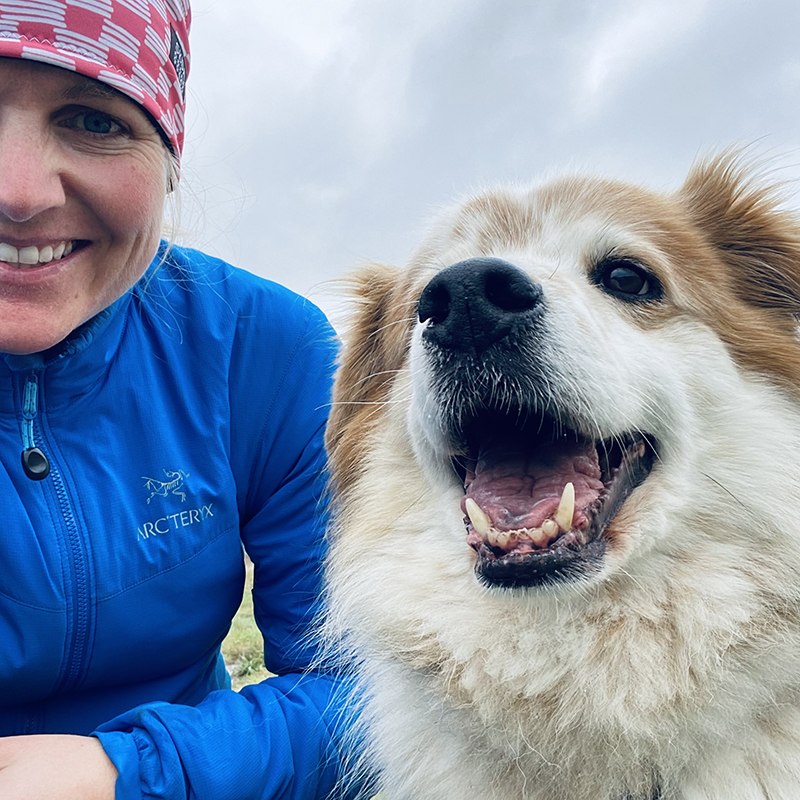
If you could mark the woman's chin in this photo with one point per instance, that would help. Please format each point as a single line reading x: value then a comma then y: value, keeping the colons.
x: 21, y: 337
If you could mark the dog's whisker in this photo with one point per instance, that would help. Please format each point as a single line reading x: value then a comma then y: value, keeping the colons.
x: 403, y: 321
x: 730, y: 494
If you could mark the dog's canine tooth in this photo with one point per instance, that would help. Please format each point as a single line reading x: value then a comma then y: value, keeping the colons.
x: 477, y: 516
x: 566, y: 508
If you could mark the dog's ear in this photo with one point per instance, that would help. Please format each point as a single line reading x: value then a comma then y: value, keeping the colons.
x: 375, y: 346
x: 744, y: 221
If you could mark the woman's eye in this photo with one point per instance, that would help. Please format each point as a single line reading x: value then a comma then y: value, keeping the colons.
x: 94, y: 122
x: 628, y: 280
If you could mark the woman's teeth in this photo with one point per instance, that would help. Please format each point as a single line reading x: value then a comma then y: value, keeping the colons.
x: 33, y: 256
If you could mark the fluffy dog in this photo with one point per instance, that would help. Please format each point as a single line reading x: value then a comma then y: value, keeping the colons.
x: 565, y: 450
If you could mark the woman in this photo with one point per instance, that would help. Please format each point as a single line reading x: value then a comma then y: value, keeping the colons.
x: 158, y: 408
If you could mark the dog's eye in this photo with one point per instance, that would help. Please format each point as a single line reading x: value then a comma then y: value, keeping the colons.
x: 627, y: 280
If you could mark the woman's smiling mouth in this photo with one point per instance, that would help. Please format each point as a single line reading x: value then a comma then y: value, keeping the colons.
x: 33, y: 256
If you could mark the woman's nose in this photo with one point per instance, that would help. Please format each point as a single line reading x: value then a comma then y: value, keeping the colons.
x: 30, y: 174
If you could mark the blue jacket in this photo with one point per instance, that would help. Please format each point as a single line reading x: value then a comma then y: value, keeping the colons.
x: 180, y: 423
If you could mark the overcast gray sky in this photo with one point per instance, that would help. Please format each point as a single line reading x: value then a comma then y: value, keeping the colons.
x: 323, y: 133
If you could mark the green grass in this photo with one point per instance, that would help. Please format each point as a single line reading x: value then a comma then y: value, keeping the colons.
x: 243, y: 648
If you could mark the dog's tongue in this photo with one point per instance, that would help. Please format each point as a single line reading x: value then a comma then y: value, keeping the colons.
x: 520, y: 489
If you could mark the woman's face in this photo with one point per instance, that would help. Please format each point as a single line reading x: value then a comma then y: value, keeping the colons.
x: 83, y: 176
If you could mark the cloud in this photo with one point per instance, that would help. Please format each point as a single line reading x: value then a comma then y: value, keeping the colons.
x: 634, y: 33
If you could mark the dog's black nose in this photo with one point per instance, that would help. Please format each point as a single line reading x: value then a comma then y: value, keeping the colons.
x: 475, y: 303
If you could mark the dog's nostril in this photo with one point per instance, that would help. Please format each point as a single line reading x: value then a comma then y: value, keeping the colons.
x: 511, y: 290
x: 434, y: 304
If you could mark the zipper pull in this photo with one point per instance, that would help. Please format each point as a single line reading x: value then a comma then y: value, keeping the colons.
x: 34, y: 461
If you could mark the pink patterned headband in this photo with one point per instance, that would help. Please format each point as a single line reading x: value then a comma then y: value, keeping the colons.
x: 140, y: 47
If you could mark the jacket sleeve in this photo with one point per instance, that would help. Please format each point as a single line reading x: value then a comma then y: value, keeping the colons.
x: 282, y: 739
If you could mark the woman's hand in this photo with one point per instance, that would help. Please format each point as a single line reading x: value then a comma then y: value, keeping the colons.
x: 55, y: 767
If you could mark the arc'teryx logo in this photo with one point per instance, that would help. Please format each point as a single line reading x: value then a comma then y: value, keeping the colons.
x: 173, y: 484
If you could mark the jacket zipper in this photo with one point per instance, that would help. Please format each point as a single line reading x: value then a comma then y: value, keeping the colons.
x: 81, y: 594
x: 38, y: 466
x: 34, y: 462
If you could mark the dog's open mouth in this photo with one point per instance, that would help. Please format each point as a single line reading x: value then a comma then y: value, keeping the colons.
x: 539, y: 497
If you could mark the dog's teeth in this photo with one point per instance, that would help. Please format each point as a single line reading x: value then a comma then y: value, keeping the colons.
x: 501, y: 538
x: 566, y: 508
x: 477, y: 516
x: 539, y: 537
x: 550, y: 527
x: 496, y: 538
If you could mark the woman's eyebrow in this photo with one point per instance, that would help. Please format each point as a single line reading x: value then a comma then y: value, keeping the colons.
x: 89, y: 89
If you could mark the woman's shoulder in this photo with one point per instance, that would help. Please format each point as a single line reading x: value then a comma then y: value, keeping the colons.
x: 211, y: 280
x: 187, y: 287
